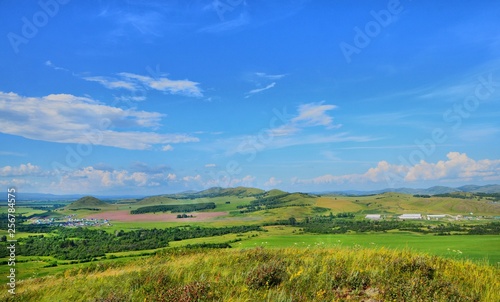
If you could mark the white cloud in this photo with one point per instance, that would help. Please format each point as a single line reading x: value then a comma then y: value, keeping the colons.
x: 111, y: 83
x: 314, y: 114
x: 161, y: 83
x: 458, y: 167
x: 270, y: 76
x: 263, y: 82
x: 134, y: 82
x: 92, y: 179
x: 262, y: 89
x: 192, y: 178
x: 17, y: 182
x: 167, y: 148
x: 308, y: 115
x: 272, y: 182
x: 51, y: 65
x: 210, y: 165
x: 21, y: 170
x: 65, y: 118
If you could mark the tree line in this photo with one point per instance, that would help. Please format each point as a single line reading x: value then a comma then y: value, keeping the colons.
x: 175, y: 208
x: 84, y: 243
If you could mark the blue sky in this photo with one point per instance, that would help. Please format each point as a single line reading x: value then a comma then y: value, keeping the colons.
x: 126, y: 97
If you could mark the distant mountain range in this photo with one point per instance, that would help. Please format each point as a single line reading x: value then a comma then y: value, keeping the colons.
x: 53, y: 197
x: 427, y: 191
x: 245, y: 192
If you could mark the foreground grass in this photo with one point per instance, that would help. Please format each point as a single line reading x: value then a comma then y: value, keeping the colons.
x: 292, y: 274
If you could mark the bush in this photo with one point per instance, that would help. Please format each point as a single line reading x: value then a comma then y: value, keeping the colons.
x: 194, y: 291
x: 267, y: 275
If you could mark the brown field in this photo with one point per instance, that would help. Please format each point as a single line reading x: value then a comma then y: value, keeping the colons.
x: 125, y: 216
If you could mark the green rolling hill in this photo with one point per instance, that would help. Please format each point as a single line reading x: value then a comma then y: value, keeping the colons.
x: 88, y: 202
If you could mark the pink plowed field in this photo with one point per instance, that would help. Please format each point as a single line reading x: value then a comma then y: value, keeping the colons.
x: 126, y: 216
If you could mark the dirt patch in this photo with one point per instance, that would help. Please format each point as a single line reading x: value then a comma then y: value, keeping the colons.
x: 125, y: 216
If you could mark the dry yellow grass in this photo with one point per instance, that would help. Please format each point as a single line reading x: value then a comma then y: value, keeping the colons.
x: 314, y: 274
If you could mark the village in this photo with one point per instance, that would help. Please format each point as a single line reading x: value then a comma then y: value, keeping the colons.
x: 71, y: 221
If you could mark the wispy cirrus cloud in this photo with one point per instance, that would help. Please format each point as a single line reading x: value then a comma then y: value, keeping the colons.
x: 262, y: 89
x: 309, y: 115
x: 112, y: 83
x: 262, y: 81
x: 162, y: 83
x: 293, y: 132
x: 272, y: 77
x: 134, y: 82
x: 53, y: 66
x: 65, y: 118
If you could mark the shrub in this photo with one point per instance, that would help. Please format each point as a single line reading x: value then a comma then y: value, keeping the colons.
x: 194, y: 291
x: 267, y: 275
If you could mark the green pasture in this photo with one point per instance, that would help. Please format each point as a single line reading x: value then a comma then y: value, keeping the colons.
x: 473, y: 247
x: 24, y: 210
x: 39, y: 266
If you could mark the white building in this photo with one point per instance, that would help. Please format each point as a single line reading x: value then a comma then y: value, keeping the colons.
x: 373, y: 216
x: 436, y: 217
x: 411, y: 216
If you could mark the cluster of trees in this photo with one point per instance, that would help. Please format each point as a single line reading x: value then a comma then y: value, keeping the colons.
x: 175, y: 208
x: 4, y: 220
x: 184, y: 216
x: 490, y: 196
x: 343, y: 223
x: 248, y: 209
x: 422, y: 196
x: 342, y: 226
x: 85, y: 243
x: 492, y: 228
x: 269, y: 202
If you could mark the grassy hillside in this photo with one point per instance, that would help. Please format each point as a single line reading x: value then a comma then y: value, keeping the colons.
x: 307, y: 274
x: 155, y: 200
x: 398, y: 203
x: 88, y: 202
x: 218, y: 192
